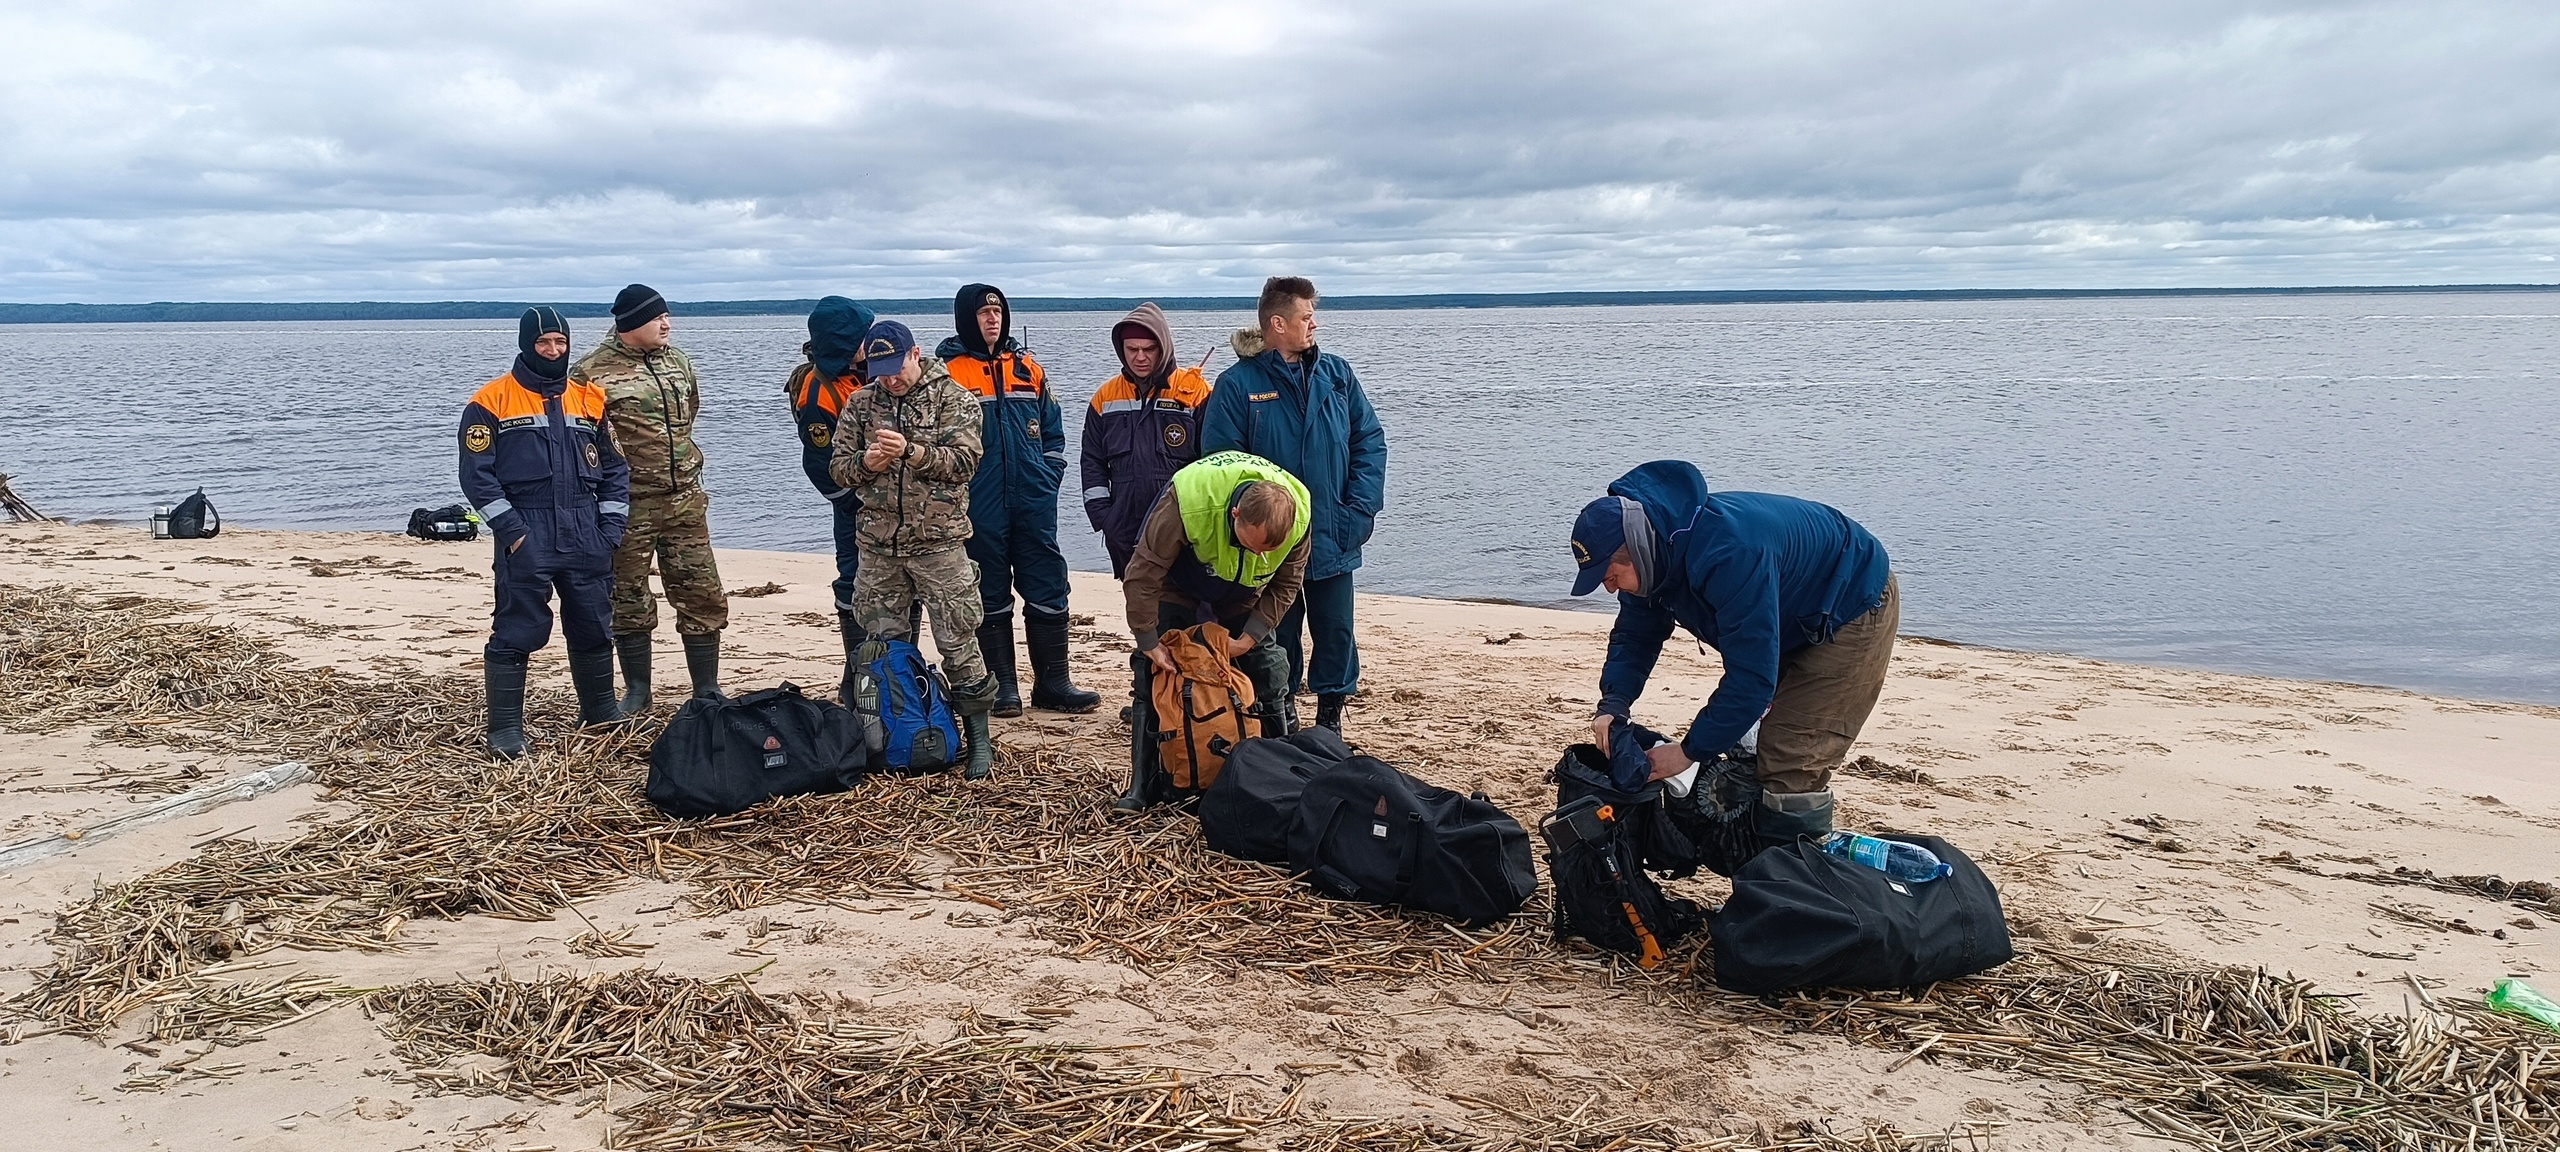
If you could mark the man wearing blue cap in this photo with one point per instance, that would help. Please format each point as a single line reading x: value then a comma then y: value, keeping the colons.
x: 540, y: 466
x: 907, y: 444
x: 1799, y: 599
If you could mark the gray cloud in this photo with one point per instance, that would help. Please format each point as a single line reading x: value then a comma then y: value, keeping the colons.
x: 306, y: 151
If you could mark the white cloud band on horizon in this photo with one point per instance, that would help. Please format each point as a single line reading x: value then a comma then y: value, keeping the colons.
x: 306, y: 151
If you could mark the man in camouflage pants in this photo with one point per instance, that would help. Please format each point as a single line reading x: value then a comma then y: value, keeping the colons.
x: 907, y: 444
x: 651, y: 396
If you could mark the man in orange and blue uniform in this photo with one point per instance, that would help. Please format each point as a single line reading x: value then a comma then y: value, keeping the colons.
x: 541, y: 469
x: 1013, y: 502
x: 818, y: 389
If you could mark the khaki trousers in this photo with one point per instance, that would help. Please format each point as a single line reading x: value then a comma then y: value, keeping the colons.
x: 1825, y: 693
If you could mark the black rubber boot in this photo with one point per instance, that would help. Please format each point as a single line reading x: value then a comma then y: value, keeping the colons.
x: 1275, y: 719
x: 1783, y: 817
x: 971, y: 702
x: 995, y: 642
x: 982, y: 747
x: 1142, y: 739
x: 1051, y: 687
x: 634, y: 649
x: 592, y: 674
x: 702, y: 663
x: 503, y: 678
x: 1329, y: 710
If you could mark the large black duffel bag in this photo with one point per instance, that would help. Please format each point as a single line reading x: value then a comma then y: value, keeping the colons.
x: 1803, y: 918
x: 1246, y: 811
x: 1365, y: 831
x: 720, y: 756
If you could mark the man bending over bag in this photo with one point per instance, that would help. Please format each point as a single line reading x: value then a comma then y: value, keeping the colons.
x: 1798, y: 598
x: 1227, y: 544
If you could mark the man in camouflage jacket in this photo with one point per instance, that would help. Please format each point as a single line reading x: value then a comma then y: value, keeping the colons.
x: 907, y: 444
x: 651, y: 397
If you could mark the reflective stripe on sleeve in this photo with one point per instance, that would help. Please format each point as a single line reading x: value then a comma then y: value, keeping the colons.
x: 1097, y: 493
x: 613, y: 508
x: 494, y: 509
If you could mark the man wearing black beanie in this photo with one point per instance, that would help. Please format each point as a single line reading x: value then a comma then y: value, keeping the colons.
x: 542, y: 471
x: 651, y: 398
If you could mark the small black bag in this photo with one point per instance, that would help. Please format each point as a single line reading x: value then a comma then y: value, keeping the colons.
x: 1803, y: 918
x: 720, y: 756
x: 194, y: 519
x: 1245, y: 812
x: 1365, y: 831
x: 451, y: 522
x: 1602, y: 892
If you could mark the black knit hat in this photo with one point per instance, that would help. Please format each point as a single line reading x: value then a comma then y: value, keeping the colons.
x: 637, y: 305
x: 537, y: 320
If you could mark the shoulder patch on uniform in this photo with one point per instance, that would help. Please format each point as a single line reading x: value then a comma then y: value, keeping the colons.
x: 477, y: 438
x: 594, y: 459
x: 819, y: 433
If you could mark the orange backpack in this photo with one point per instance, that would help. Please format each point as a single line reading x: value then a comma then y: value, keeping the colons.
x: 1200, y: 712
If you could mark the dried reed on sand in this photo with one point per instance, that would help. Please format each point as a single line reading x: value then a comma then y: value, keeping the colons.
x: 2223, y: 1058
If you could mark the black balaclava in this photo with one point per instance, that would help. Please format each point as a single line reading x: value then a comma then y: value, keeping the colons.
x: 533, y: 371
x: 964, y: 316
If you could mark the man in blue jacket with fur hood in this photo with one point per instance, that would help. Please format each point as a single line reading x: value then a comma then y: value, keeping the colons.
x: 1303, y: 410
x: 1799, y: 599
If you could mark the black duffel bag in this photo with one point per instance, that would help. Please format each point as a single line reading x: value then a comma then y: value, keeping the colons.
x: 451, y: 522
x: 1803, y: 918
x: 1365, y: 831
x: 720, y: 756
x: 1245, y: 812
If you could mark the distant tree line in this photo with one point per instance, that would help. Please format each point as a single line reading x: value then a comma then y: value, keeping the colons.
x: 214, y: 312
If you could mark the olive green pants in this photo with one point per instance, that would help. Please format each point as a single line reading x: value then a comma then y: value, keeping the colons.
x: 1825, y: 693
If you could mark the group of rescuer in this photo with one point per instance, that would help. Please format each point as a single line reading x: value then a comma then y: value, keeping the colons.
x: 1243, y: 502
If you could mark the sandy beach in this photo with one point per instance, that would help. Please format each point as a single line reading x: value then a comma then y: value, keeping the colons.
x: 2133, y: 814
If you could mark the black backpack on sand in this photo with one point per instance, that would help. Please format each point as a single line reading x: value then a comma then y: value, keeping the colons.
x: 1602, y: 892
x: 1245, y: 812
x: 1803, y: 918
x: 1674, y: 835
x: 194, y: 519
x: 720, y: 756
x: 1365, y: 831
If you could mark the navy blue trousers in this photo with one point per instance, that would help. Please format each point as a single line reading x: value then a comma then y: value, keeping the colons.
x: 521, y: 625
x: 1325, y: 607
x: 1022, y: 556
x: 848, y: 550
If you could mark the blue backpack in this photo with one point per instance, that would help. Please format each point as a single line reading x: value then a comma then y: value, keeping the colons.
x: 904, y: 707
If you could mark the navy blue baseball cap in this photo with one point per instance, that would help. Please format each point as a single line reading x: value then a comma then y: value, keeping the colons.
x: 886, y: 346
x: 1597, y: 535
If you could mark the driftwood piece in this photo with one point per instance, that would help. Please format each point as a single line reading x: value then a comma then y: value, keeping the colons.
x: 16, y: 506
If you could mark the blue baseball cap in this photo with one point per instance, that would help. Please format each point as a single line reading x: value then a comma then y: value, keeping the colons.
x: 886, y: 347
x: 1597, y: 535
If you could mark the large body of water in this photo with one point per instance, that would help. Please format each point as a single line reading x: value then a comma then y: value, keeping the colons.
x: 2349, y: 487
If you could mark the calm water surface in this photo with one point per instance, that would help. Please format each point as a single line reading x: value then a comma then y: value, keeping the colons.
x: 2357, y: 488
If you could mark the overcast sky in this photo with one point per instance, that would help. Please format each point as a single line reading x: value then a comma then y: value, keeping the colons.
x: 329, y: 151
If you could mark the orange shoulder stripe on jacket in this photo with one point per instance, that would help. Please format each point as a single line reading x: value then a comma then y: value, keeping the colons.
x: 506, y: 399
x: 979, y: 376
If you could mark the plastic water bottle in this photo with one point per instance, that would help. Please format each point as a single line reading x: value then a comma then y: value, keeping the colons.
x: 1909, y: 863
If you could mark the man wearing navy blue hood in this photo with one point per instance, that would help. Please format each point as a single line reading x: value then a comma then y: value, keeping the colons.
x: 1303, y: 409
x: 1800, y: 600
x: 540, y: 465
x: 818, y: 387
